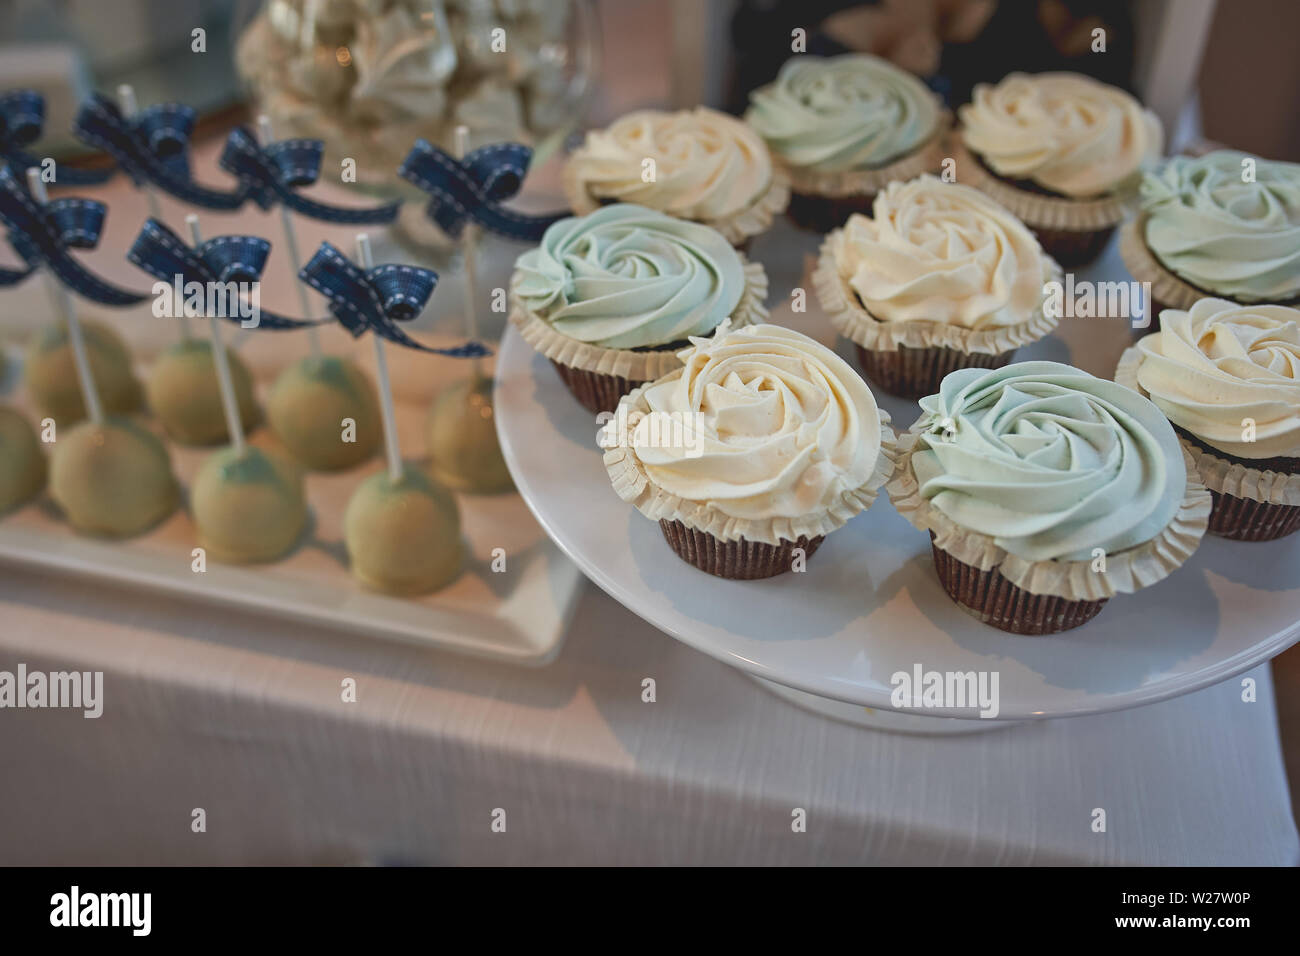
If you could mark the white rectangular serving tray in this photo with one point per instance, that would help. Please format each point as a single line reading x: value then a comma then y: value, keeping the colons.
x: 518, y: 615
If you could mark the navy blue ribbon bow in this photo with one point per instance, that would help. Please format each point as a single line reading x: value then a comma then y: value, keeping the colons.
x: 43, y: 234
x: 271, y: 173
x: 474, y: 188
x: 22, y: 114
x: 152, y: 146
x: 375, y: 300
x: 166, y: 257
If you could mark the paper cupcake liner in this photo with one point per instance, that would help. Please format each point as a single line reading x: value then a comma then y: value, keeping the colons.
x: 915, y: 373
x: 852, y: 320
x: 1040, y: 212
x: 738, y: 560
x: 1242, y: 519
x: 926, y: 158
x: 738, y: 228
x: 1220, y: 476
x: 1073, y: 249
x: 1126, y: 571
x: 821, y: 214
x: 996, y: 601
x: 632, y: 483
x: 630, y: 366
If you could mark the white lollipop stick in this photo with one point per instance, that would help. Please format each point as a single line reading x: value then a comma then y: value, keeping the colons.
x: 234, y: 425
x: 381, y: 371
x: 126, y: 100
x: 267, y: 136
x: 67, y: 310
x: 469, y: 242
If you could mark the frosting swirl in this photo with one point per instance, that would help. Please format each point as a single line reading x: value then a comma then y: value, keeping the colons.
x: 707, y: 165
x: 625, y: 277
x: 1064, y: 131
x: 1219, y: 363
x: 941, y: 252
x: 832, y: 114
x: 1049, y: 461
x: 1222, y: 234
x: 781, y: 426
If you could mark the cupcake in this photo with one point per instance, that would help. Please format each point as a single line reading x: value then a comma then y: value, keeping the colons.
x: 939, y: 278
x: 1225, y: 224
x: 764, y: 442
x: 611, y: 297
x: 1228, y: 378
x: 1061, y: 151
x: 1046, y: 491
x: 697, y: 164
x: 844, y: 127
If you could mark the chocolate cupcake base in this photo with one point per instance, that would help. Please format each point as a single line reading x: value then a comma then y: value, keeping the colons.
x: 996, y: 601
x: 1243, y: 519
x: 1071, y: 248
x: 914, y: 373
x: 821, y: 214
x: 741, y: 560
x: 596, y: 392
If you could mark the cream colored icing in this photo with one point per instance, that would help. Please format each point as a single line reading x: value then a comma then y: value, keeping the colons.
x: 1228, y: 223
x: 1220, y: 366
x: 707, y: 165
x: 1049, y: 461
x: 1064, y: 131
x: 626, y: 277
x: 832, y: 114
x: 941, y: 252
x: 774, y: 425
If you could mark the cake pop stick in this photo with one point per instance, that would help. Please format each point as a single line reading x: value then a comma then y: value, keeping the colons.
x: 470, y: 252
x: 234, y: 425
x: 381, y: 371
x: 64, y: 306
x: 267, y: 136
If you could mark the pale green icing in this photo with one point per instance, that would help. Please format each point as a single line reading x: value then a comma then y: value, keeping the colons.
x: 627, y: 277
x: 832, y: 114
x: 1049, y: 461
x: 1222, y: 233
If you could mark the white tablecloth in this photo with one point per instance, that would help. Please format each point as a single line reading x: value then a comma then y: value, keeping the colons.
x: 243, y: 717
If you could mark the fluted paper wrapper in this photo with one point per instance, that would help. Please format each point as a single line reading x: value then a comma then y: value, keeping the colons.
x: 1250, y: 504
x: 1126, y: 571
x: 634, y: 485
x: 926, y: 158
x: 738, y: 228
x: 738, y: 560
x: 594, y: 373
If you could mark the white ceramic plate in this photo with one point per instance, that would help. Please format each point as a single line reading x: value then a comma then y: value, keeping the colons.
x: 518, y: 615
x: 869, y: 604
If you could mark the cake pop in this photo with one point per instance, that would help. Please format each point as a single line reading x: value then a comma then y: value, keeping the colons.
x: 112, y: 478
x: 247, y: 503
x: 51, y: 374
x: 22, y: 465
x: 308, y: 405
x: 185, y: 396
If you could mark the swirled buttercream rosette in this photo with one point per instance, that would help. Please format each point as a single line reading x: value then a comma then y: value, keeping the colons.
x: 1211, y: 370
x: 845, y: 127
x: 1046, y: 491
x: 779, y: 443
x: 1060, y: 150
x: 697, y: 164
x: 940, y: 278
x: 610, y: 297
x: 1226, y: 224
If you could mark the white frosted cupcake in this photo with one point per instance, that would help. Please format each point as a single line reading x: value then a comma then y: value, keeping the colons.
x: 940, y: 277
x: 1228, y: 377
x: 844, y: 127
x: 697, y: 164
x: 612, y: 296
x: 1062, y: 151
x: 764, y: 442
